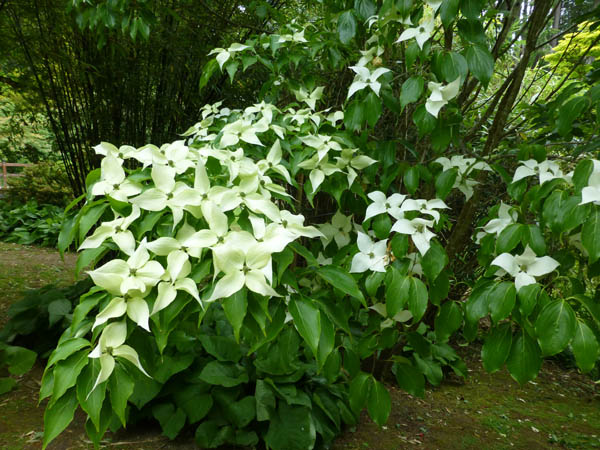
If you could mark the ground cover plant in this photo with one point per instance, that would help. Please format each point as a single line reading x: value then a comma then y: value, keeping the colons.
x: 30, y: 223
x: 279, y: 261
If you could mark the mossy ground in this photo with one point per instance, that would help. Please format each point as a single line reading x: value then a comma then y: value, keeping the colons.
x: 560, y: 409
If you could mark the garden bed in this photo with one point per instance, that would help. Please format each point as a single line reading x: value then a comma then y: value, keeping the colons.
x: 560, y: 409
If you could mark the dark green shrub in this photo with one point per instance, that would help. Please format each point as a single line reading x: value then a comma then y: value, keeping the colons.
x: 46, y: 183
x: 30, y: 223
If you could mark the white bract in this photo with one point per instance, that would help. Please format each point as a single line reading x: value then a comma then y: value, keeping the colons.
x: 175, y: 279
x: 525, y: 267
x: 591, y: 193
x: 464, y: 168
x: 506, y: 216
x: 428, y: 207
x: 440, y: 95
x: 309, y: 98
x: 223, y: 55
x: 113, y: 181
x: 382, y: 204
x: 421, y: 34
x: 339, y: 230
x: 371, y: 256
x: 418, y: 231
x: 110, y: 345
x: 365, y: 78
x: 116, y: 230
x: 546, y: 170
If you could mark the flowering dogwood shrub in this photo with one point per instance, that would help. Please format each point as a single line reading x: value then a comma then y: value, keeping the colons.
x: 259, y: 277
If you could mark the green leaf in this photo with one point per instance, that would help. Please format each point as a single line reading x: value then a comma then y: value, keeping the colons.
x: 417, y: 298
x: 379, y: 403
x: 88, y: 257
x: 59, y: 416
x: 424, y: 121
x: 207, y: 72
x: 396, y: 293
x: 346, y: 27
x: 235, y: 308
x: 590, y: 235
x: 364, y: 9
x: 453, y: 65
x: 502, y: 299
x: 67, y: 233
x: 326, y: 341
x: 171, y: 419
x: 410, y: 379
x: 478, y: 304
x: 555, y: 327
x: 359, y: 391
x: 19, y: 360
x: 265, y: 401
x: 496, y: 347
x: 90, y: 218
x: 412, y: 89
x: 373, y: 108
x: 411, y: 179
x: 562, y: 212
x: 211, y: 434
x: 341, y: 280
x: 528, y: 298
x: 434, y: 261
x: 581, y: 174
x: 481, y: 63
x: 444, y: 183
x: 120, y: 387
x: 7, y: 385
x: 585, y: 347
x: 448, y: 12
x: 291, y: 428
x: 66, y: 373
x: 223, y: 374
x: 509, y: 238
x: 524, y: 361
x: 532, y: 235
x: 471, y: 9
x: 355, y: 115
x: 194, y: 400
x: 307, y: 320
x: 448, y: 321
x: 91, y: 401
x: 570, y: 111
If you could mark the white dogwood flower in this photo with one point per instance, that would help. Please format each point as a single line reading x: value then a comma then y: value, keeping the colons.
x: 546, y: 170
x: 175, y: 279
x: 440, y: 95
x: 506, y: 216
x: 319, y: 169
x: 224, y: 55
x: 428, y: 207
x: 135, y: 307
x: 382, y: 204
x: 137, y: 274
x: 309, y: 98
x: 245, y: 130
x: 421, y: 34
x: 591, y: 193
x: 365, y: 78
x: 339, y: 230
x: 110, y: 345
x: 418, y: 230
x: 371, y: 256
x: 525, y: 267
x: 117, y: 230
x: 273, y: 162
x: 113, y: 182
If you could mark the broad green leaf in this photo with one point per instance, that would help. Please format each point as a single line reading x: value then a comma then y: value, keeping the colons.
x: 581, y: 174
x: 528, y: 298
x: 453, y: 65
x: 481, y: 63
x: 430, y: 368
x: 509, y: 238
x: 532, y: 235
x: 59, y: 416
x: 7, y: 384
x: 326, y: 341
x: 412, y: 89
x: 292, y: 428
x: 585, y: 347
x: 66, y: 349
x: 120, y: 386
x: 91, y: 401
x: 359, y: 391
x: 502, y: 299
x: 171, y: 419
x: 570, y: 111
x: 90, y: 218
x: 379, y: 403
x: 307, y: 320
x: 562, y: 212
x: 373, y: 108
x: 341, y: 280
x: 235, y: 308
x: 524, y: 361
x: 417, y: 298
x: 194, y: 400
x: 346, y: 27
x: 66, y: 373
x: 496, y: 347
x: 19, y: 360
x: 265, y: 401
x: 355, y: 115
x: 410, y: 379
x: 478, y: 304
x: 424, y: 121
x: 445, y: 182
x: 223, y: 374
x: 396, y: 293
x: 471, y: 9
x: 434, y: 261
x: 364, y: 9
x: 411, y: 180
x: 590, y: 235
x: 448, y: 12
x: 555, y: 327
x: 448, y: 321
